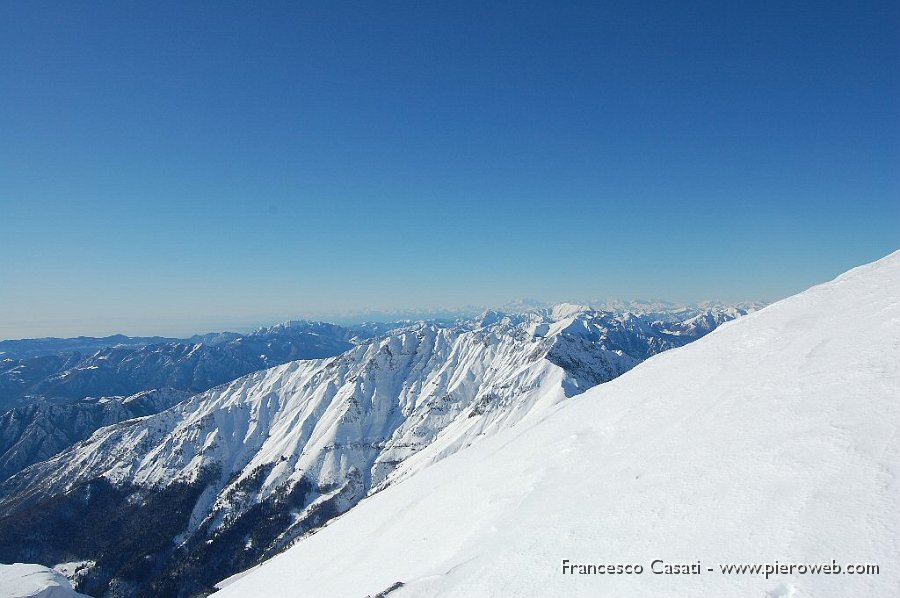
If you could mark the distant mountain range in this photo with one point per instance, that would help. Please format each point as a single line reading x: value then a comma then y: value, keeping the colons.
x: 170, y: 503
x: 37, y: 431
x: 56, y: 395
x: 64, y: 370
x: 522, y: 305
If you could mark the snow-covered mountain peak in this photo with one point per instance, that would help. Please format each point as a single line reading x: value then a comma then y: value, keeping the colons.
x: 568, y: 310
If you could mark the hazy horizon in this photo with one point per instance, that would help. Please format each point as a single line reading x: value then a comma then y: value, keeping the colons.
x: 205, y: 324
x: 193, y: 166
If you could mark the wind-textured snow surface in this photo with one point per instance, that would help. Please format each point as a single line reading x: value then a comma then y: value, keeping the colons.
x: 34, y: 581
x: 776, y: 437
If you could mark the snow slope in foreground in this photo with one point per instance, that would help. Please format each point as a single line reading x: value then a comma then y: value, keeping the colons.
x: 34, y: 581
x: 776, y: 437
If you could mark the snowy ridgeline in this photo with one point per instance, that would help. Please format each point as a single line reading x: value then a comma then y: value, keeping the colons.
x: 237, y: 473
x: 775, y: 438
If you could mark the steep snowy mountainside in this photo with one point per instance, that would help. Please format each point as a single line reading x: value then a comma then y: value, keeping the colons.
x: 182, y: 365
x: 775, y: 438
x: 240, y: 471
x: 35, y: 432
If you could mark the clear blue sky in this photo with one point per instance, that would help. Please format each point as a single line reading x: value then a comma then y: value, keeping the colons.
x: 172, y: 167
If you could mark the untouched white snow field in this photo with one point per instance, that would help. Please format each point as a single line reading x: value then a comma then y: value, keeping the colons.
x: 34, y: 581
x: 775, y: 438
